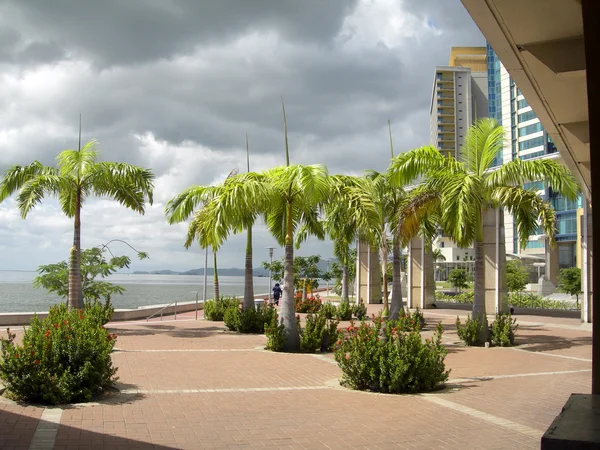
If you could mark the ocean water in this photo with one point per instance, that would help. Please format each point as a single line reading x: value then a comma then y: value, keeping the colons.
x: 17, y: 293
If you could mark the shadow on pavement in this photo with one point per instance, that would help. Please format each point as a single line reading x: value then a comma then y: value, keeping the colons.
x: 17, y: 432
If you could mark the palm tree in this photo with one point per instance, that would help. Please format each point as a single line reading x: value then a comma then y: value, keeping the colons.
x: 218, y: 211
x: 297, y: 194
x: 78, y: 176
x: 438, y: 255
x: 350, y: 212
x: 468, y: 188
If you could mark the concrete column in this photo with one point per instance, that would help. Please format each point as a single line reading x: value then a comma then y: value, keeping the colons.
x: 494, y: 251
x: 586, y: 299
x: 368, y: 274
x: 421, y: 284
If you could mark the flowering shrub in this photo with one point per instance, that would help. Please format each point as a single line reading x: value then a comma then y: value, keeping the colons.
x: 470, y: 332
x: 319, y: 333
x: 249, y: 320
x: 410, y: 322
x: 503, y: 330
x: 383, y: 358
x: 215, y: 309
x: 344, y: 311
x: 312, y: 304
x: 63, y: 358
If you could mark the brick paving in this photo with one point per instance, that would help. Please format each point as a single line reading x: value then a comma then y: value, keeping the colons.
x: 188, y: 384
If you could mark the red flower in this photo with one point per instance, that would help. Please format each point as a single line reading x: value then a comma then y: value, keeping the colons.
x: 47, y: 334
x: 16, y: 355
x: 37, y: 361
x: 32, y: 353
x: 65, y: 322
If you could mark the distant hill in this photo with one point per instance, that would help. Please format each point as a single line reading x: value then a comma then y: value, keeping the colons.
x: 232, y: 272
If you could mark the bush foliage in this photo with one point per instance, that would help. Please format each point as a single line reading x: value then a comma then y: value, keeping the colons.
x: 344, y: 311
x: 503, y: 330
x: 470, y: 332
x: 63, y: 358
x: 215, y: 309
x: 249, y: 320
x: 382, y: 357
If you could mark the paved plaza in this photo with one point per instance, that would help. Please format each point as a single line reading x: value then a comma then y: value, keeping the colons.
x: 190, y: 384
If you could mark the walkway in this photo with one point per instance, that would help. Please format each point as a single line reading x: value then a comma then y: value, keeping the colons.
x: 188, y: 384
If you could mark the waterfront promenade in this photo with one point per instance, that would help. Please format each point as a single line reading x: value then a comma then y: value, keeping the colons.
x: 189, y: 384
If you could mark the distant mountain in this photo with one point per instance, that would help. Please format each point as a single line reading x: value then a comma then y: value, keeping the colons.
x: 232, y: 272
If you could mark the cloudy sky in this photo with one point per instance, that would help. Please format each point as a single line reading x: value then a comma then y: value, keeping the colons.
x: 174, y: 85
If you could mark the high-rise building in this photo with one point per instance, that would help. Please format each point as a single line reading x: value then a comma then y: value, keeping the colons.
x: 459, y: 97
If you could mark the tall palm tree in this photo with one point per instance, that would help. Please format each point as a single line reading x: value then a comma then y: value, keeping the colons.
x: 350, y: 212
x: 438, y: 255
x: 297, y: 193
x: 468, y: 188
x: 78, y: 176
x: 218, y: 211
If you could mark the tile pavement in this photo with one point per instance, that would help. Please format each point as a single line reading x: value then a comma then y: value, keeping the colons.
x: 190, y: 385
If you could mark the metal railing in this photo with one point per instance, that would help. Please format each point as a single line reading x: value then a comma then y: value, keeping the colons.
x: 161, y: 311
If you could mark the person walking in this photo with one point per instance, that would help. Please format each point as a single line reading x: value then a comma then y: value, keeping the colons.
x: 276, y: 293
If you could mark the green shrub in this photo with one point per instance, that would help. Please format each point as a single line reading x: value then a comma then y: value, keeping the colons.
x: 311, y: 337
x: 102, y: 312
x: 470, y: 332
x: 249, y: 320
x: 344, y: 311
x: 503, y: 330
x: 276, y: 336
x: 360, y: 311
x: 63, y: 358
x: 382, y: 358
x: 328, y: 309
x: 524, y: 300
x: 465, y: 297
x: 215, y: 309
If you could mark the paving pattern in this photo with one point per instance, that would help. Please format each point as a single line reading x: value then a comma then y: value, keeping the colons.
x: 189, y: 384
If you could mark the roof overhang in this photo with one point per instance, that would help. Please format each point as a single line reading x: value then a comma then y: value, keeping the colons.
x: 541, y: 45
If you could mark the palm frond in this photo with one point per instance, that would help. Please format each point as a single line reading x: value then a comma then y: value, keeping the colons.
x: 407, y: 167
x: 34, y: 190
x: 529, y: 211
x: 483, y: 142
x: 77, y: 163
x: 519, y: 172
x: 16, y: 177
x: 129, y: 185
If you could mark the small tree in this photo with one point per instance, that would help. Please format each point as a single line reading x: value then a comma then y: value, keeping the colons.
x: 459, y: 278
x: 517, y: 275
x: 569, y: 282
x: 94, y: 268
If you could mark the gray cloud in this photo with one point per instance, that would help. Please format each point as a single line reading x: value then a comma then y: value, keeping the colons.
x: 176, y: 85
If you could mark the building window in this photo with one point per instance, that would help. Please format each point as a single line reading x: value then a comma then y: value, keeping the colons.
x: 530, y: 129
x: 527, y: 116
x: 534, y: 244
x: 522, y: 104
x: 531, y: 143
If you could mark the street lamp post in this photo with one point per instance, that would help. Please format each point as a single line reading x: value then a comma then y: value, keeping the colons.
x: 270, y: 272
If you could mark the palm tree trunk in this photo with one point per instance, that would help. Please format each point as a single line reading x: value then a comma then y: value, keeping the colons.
x: 248, y: 280
x: 384, y: 261
x: 215, y: 277
x: 287, y: 311
x: 345, y: 283
x: 396, y: 305
x: 479, y: 311
x: 74, y: 296
x: 304, y: 289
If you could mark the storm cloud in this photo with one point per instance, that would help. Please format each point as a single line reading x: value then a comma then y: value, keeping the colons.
x: 175, y: 86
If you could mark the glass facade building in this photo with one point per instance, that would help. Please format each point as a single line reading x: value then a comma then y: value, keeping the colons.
x: 527, y: 139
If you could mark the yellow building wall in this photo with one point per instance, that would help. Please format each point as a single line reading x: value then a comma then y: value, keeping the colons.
x: 473, y: 57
